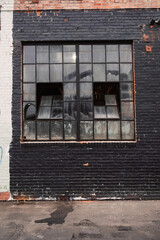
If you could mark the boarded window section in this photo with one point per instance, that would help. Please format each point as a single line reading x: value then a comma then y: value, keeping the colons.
x: 78, y: 92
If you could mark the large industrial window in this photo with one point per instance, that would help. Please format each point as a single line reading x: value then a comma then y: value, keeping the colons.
x: 78, y: 92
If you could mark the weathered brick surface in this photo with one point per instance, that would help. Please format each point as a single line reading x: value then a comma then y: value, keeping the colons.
x: 84, y: 4
x: 4, y: 196
x: 114, y: 170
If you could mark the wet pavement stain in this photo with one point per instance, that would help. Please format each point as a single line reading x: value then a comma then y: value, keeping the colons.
x: 57, y: 217
x: 90, y: 235
x: 124, y: 228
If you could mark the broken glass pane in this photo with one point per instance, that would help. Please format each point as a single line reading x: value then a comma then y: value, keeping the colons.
x: 42, y: 73
x: 70, y: 130
x: 98, y: 53
x: 86, y: 130
x: 126, y: 72
x: 69, y: 53
x: 86, y: 111
x: 85, y: 72
x: 112, y: 112
x: 69, y: 72
x: 56, y: 54
x: 126, y: 91
x: 100, y: 112
x: 114, y: 130
x: 29, y: 91
x: 100, y: 130
x: 85, y: 91
x: 112, y: 73
x: 110, y: 100
x: 70, y: 112
x: 56, y: 130
x: 29, y: 54
x: 127, y: 110
x: 29, y: 73
x: 85, y: 53
x: 56, y: 113
x: 99, y: 72
x: 69, y: 91
x: 112, y: 53
x: 46, y: 101
x: 127, y: 130
x: 29, y: 110
x: 56, y: 72
x: 42, y: 54
x: 44, y: 113
x: 42, y: 130
x: 126, y: 53
x: 29, y: 130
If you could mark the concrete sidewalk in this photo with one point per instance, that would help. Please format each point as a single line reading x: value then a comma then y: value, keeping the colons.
x: 129, y: 220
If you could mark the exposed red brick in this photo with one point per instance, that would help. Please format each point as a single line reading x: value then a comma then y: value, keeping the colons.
x: 146, y: 38
x: 4, y: 196
x: 84, y: 4
x: 148, y: 48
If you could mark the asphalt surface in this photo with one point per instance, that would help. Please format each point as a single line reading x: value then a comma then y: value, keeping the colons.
x: 81, y: 220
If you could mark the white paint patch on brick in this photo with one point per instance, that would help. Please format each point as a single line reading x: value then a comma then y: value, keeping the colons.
x: 5, y: 90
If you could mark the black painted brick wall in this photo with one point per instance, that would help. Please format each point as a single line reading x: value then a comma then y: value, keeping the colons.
x: 126, y: 170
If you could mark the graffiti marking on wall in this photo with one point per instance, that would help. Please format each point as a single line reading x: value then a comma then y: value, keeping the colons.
x: 1, y: 154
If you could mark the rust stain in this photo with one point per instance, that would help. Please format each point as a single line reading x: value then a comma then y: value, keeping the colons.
x: 146, y: 38
x: 65, y: 19
x: 148, y: 48
x: 38, y: 13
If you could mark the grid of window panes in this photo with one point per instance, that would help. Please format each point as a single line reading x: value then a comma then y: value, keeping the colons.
x: 78, y: 92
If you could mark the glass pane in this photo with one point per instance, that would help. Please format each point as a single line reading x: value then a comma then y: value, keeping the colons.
x: 112, y: 53
x: 98, y: 53
x: 42, y: 54
x: 57, y: 101
x: 70, y: 72
x: 70, y: 112
x: 29, y: 92
x: 85, y: 72
x: 42, y: 130
x: 56, y: 54
x: 99, y: 72
x: 112, y: 73
x: 127, y: 110
x: 70, y: 130
x: 112, y: 112
x: 29, y: 54
x: 56, y: 73
x: 126, y: 72
x: 125, y: 53
x: 44, y: 113
x: 126, y: 91
x: 128, y: 130
x: 85, y: 53
x: 100, y: 130
x: 114, y: 130
x: 69, y: 53
x: 86, y: 111
x: 56, y: 130
x: 29, y: 73
x: 56, y: 113
x: 29, y: 110
x: 46, y: 101
x: 29, y: 130
x: 110, y: 100
x: 85, y: 91
x: 100, y: 112
x: 43, y: 73
x: 86, y: 130
x: 69, y: 91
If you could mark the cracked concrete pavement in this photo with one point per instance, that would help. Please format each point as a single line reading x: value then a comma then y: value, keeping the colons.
x: 81, y: 220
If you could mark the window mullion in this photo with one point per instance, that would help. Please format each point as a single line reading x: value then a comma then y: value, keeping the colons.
x: 78, y: 92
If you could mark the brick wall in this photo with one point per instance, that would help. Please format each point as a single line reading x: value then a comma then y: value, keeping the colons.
x: 5, y: 94
x: 113, y: 170
x: 84, y: 4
